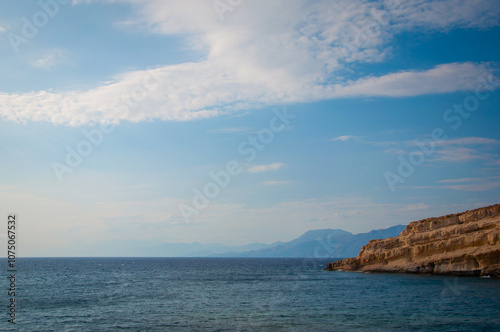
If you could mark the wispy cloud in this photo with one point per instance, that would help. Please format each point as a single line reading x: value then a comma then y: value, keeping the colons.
x: 458, y: 180
x: 441, y: 79
x: 275, y: 183
x: 465, y: 149
x: 50, y: 59
x: 469, y: 141
x: 444, y: 15
x: 485, y: 186
x: 265, y: 168
x: 2, y: 29
x: 235, y: 130
x: 457, y: 150
x: 466, y: 184
x: 344, y: 138
x: 461, y: 154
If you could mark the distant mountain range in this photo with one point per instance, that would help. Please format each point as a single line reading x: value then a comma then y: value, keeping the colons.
x: 321, y: 243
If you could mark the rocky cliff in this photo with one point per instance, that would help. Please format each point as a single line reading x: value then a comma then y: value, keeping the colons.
x: 466, y: 243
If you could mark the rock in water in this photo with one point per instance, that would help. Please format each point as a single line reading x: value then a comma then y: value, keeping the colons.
x: 466, y: 243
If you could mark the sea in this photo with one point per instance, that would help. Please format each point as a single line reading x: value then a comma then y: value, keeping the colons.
x: 238, y: 294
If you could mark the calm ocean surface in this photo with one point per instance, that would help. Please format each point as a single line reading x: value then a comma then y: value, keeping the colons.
x: 239, y: 294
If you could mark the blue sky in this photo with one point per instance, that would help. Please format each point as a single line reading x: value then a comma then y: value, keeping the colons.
x: 341, y: 100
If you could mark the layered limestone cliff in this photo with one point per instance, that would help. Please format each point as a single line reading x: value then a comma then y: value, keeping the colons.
x: 466, y: 243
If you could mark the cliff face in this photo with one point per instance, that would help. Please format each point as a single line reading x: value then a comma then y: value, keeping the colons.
x: 466, y: 243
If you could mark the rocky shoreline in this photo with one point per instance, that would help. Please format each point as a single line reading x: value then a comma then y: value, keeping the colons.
x: 464, y: 244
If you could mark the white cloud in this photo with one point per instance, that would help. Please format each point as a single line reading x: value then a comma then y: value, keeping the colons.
x: 444, y: 15
x: 344, y: 138
x: 485, y: 186
x: 275, y: 183
x: 455, y: 150
x: 2, y: 29
x: 234, y: 130
x: 263, y: 54
x: 476, y: 187
x: 50, y: 59
x: 265, y: 168
x: 165, y: 93
x: 461, y: 154
x: 458, y: 180
x: 469, y: 141
x: 441, y: 79
x: 472, y: 184
x: 200, y: 90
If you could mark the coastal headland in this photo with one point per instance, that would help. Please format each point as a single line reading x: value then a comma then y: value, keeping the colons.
x: 466, y: 244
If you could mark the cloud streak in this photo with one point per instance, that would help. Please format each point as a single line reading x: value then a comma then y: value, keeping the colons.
x: 457, y: 150
x: 275, y: 183
x: 441, y: 79
x: 472, y: 184
x: 461, y: 154
x: 344, y: 138
x: 265, y: 168
x: 50, y: 59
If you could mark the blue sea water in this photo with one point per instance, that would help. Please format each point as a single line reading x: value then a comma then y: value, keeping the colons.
x: 239, y: 294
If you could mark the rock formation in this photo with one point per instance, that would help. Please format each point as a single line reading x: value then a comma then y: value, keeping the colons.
x: 466, y: 243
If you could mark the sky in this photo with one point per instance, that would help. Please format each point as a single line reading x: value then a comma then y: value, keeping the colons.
x: 127, y: 123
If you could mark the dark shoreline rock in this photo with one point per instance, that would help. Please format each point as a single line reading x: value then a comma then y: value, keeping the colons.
x: 463, y: 244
